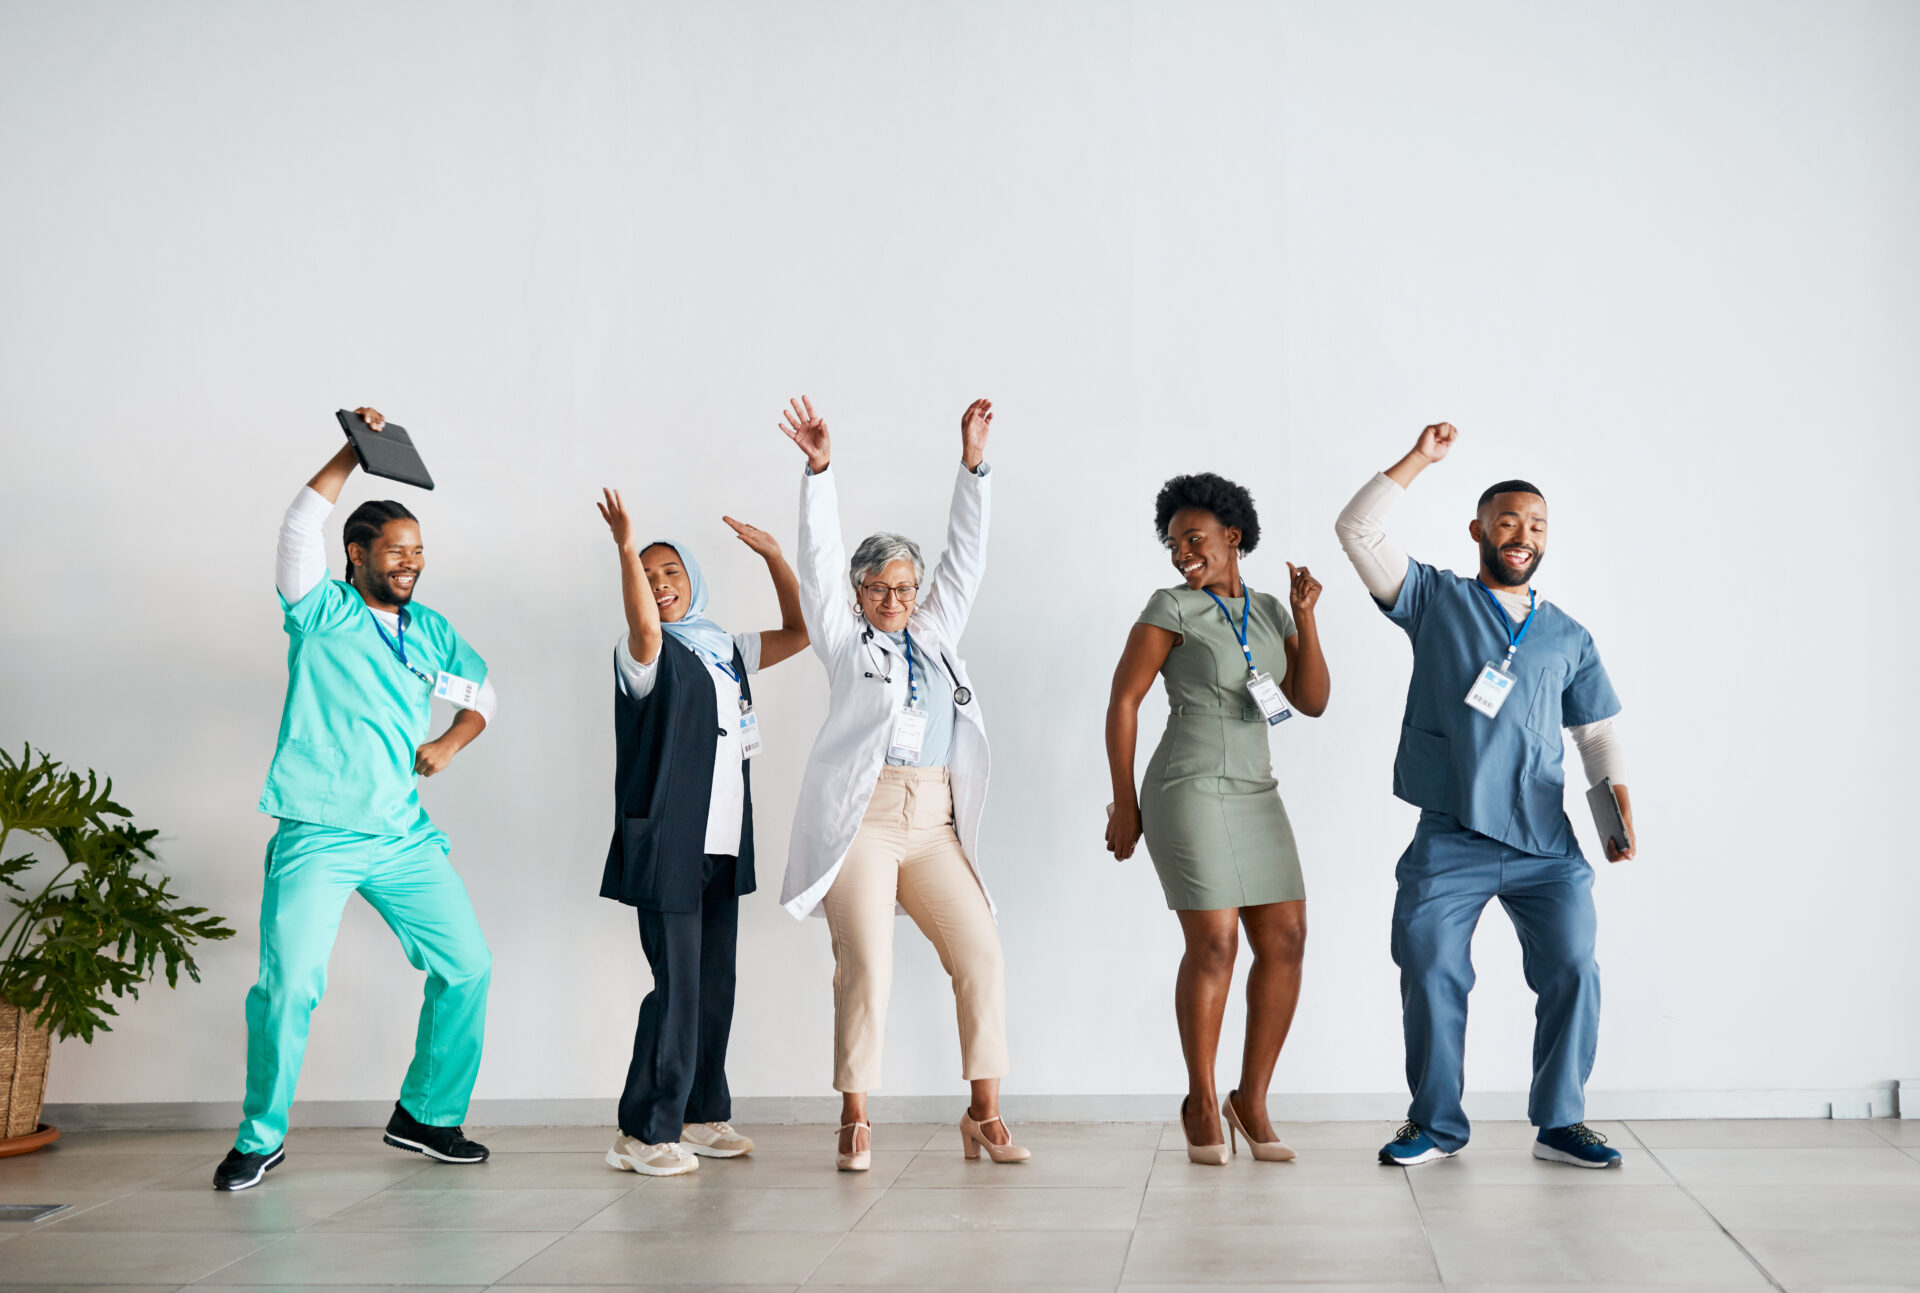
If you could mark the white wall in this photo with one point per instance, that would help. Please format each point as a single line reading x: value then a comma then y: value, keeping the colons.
x: 1658, y: 258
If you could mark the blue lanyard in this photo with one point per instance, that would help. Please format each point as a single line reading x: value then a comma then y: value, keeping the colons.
x: 1506, y: 621
x: 913, y: 686
x: 1239, y: 630
x: 399, y: 648
x: 727, y: 669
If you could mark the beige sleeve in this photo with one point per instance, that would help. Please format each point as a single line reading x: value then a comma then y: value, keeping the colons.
x: 1361, y: 529
x: 1600, y: 752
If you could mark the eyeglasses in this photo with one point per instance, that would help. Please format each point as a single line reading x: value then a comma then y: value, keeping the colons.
x: 878, y: 592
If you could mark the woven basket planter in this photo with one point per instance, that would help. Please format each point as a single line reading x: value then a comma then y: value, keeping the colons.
x: 24, y: 1048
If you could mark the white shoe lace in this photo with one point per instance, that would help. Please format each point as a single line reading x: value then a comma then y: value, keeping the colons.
x: 672, y: 1148
x: 721, y: 1129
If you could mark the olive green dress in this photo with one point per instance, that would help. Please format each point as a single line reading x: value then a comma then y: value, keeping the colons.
x: 1209, y: 806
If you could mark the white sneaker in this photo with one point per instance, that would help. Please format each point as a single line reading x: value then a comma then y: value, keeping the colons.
x: 669, y: 1159
x: 715, y: 1140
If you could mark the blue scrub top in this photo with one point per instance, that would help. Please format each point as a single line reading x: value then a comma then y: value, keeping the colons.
x: 1499, y: 776
x: 354, y: 714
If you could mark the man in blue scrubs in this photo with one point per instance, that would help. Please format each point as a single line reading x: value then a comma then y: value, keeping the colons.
x: 1497, y: 673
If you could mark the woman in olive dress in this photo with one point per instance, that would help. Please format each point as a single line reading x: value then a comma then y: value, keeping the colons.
x: 1236, y: 663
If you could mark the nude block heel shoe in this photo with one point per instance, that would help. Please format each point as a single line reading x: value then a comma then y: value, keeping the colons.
x: 1206, y: 1155
x: 973, y: 1140
x: 860, y: 1159
x: 1267, y: 1151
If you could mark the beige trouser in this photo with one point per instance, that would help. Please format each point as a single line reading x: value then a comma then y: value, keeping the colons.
x: 907, y: 850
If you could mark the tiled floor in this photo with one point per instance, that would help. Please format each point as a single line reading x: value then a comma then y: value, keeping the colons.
x: 1793, y: 1205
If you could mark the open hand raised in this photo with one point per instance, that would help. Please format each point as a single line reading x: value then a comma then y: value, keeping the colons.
x: 1304, y: 591
x: 1436, y: 440
x: 614, y: 513
x: 974, y: 425
x: 757, y: 539
x: 808, y: 430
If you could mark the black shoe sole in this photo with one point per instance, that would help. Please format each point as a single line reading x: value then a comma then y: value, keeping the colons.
x: 415, y: 1147
x: 279, y: 1157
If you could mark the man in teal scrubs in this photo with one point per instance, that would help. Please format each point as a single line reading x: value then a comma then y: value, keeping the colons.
x: 364, y: 662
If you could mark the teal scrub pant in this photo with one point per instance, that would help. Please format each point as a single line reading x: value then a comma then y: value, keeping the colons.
x: 311, y: 872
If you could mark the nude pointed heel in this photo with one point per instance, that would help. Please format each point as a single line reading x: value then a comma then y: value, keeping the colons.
x: 973, y: 1139
x: 859, y: 1160
x: 1205, y: 1155
x: 1265, y: 1151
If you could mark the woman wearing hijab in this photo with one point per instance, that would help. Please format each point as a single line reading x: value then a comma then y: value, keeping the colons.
x: 889, y: 810
x: 682, y: 851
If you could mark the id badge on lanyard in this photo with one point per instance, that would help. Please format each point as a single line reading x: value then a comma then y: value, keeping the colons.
x: 749, y: 730
x: 451, y: 687
x: 909, y: 721
x: 909, y: 734
x: 1495, y: 681
x: 1261, y: 686
x: 749, y: 722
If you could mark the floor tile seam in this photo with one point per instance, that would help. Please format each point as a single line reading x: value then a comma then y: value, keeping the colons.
x: 615, y: 1201
x: 1719, y: 1225
x: 1426, y: 1235
x: 557, y: 1237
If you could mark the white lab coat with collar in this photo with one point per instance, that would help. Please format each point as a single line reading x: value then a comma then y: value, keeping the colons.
x: 847, y: 756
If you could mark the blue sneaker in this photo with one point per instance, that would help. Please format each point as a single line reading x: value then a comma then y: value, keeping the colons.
x: 1411, y: 1145
x: 1579, y: 1145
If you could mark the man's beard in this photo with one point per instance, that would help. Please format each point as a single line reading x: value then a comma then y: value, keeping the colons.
x: 381, y: 586
x: 1503, y: 574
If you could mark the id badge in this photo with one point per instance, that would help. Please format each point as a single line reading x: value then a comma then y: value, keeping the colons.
x: 460, y: 691
x: 909, y: 734
x: 1267, y: 695
x: 1490, y: 689
x: 749, y: 730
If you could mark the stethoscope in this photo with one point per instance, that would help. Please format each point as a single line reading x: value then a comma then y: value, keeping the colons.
x: 961, y: 695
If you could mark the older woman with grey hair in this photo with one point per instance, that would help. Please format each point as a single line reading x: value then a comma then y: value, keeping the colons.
x: 889, y: 810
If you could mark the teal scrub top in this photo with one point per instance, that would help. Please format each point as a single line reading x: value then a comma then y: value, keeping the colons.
x: 1499, y: 776
x: 354, y: 714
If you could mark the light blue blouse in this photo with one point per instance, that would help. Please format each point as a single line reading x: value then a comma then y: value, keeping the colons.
x: 936, y: 698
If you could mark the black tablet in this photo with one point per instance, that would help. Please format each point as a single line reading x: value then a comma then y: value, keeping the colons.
x: 1606, y: 816
x: 388, y: 452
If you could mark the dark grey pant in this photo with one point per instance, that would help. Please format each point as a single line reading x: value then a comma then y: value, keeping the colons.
x: 679, y: 1069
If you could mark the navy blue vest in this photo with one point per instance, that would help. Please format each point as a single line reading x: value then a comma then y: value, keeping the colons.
x: 662, y: 783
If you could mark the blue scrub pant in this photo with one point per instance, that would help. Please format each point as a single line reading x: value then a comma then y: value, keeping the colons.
x: 311, y: 872
x: 1446, y: 877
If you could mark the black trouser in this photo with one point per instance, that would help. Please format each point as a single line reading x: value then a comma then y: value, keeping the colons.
x: 679, y: 1069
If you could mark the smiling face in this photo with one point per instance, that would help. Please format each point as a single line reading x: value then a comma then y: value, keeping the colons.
x: 889, y: 610
x: 1512, y: 533
x: 667, y: 577
x: 1206, y: 553
x: 386, y: 570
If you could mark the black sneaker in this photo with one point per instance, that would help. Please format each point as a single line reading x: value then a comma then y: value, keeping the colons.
x: 238, y: 1171
x: 443, y: 1144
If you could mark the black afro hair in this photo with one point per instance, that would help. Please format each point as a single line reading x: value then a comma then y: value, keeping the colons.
x: 1230, y: 504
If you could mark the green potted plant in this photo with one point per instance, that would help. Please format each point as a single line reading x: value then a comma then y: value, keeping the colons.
x: 97, y: 929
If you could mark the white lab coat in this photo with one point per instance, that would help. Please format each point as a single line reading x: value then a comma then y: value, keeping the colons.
x: 845, y: 762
